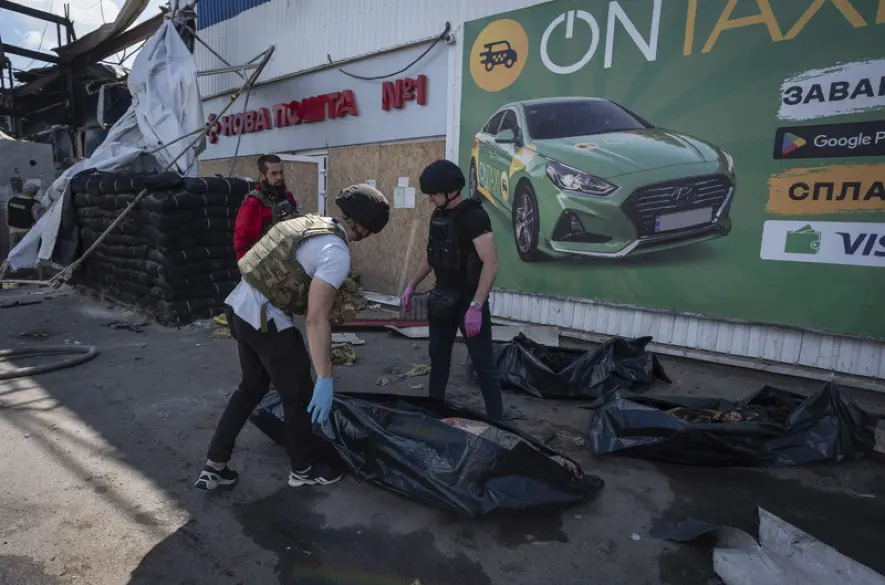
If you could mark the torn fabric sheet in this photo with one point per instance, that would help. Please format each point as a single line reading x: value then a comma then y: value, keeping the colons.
x: 166, y: 105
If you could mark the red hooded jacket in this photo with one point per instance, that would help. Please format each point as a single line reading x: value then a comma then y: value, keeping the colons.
x: 252, y: 219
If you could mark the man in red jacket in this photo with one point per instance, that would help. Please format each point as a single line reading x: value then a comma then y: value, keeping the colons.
x: 264, y: 206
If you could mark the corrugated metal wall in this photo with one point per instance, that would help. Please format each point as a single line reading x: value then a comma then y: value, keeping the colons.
x: 758, y: 342
x: 305, y: 32
x: 215, y: 11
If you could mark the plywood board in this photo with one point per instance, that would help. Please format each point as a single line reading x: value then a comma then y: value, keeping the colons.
x: 388, y: 260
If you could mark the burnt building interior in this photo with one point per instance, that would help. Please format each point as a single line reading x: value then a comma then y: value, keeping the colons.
x: 74, y: 96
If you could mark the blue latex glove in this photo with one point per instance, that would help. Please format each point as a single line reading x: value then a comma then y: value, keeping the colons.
x: 321, y: 404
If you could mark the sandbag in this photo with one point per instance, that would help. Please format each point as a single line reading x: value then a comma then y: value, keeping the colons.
x: 772, y: 427
x: 216, y: 291
x: 199, y: 280
x: 166, y: 201
x: 229, y: 186
x: 443, y: 456
x: 197, y: 254
x: 620, y: 364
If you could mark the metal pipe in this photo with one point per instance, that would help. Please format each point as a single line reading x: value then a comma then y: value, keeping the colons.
x: 233, y: 69
x: 211, y: 50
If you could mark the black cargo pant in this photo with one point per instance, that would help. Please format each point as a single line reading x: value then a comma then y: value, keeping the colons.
x: 279, y: 357
x: 442, y: 339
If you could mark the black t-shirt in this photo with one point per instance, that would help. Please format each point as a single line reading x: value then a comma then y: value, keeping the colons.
x: 471, y: 222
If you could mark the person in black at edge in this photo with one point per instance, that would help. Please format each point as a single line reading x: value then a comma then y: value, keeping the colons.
x: 462, y: 254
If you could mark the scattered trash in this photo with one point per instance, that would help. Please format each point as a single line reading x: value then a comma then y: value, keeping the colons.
x: 343, y: 354
x: 36, y: 335
x: 417, y: 386
x: 636, y: 537
x: 350, y: 338
x: 200, y: 324
x: 620, y: 364
x: 382, y: 381
x: 416, y: 346
x: 442, y: 456
x: 134, y: 327
x: 417, y: 370
x: 772, y: 427
x: 221, y: 333
x: 13, y: 304
x: 784, y: 554
x: 374, y: 308
x: 221, y: 320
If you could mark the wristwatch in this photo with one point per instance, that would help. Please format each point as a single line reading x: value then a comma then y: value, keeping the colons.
x: 475, y: 305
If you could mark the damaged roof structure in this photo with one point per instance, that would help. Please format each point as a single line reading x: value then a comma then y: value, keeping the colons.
x: 71, y: 100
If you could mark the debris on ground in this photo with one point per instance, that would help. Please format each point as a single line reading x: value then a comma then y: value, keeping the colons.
x: 382, y: 381
x: 221, y: 333
x: 411, y: 446
x: 134, y: 327
x: 343, y: 354
x: 769, y: 428
x: 784, y: 555
x: 36, y: 335
x: 620, y: 364
x: 350, y: 338
x: 13, y: 304
x: 417, y: 370
x: 221, y: 319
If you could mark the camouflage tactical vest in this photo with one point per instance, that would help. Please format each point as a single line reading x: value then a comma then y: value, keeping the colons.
x: 270, y: 264
x: 281, y: 209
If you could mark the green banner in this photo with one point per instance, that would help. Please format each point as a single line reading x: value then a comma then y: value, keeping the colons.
x: 715, y: 157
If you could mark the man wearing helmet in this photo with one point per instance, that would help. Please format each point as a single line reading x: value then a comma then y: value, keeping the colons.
x: 296, y: 268
x: 462, y: 255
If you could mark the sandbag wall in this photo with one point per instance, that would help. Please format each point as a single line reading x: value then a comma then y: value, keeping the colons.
x: 173, y: 252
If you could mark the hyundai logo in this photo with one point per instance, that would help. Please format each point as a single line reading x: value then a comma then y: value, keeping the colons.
x: 683, y: 194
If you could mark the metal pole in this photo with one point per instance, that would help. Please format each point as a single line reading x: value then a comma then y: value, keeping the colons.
x: 233, y: 69
x: 211, y: 50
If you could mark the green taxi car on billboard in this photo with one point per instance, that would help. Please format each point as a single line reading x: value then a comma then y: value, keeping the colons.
x: 585, y: 176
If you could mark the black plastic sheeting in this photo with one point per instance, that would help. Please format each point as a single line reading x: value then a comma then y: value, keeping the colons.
x: 620, y: 364
x: 405, y: 445
x: 772, y: 428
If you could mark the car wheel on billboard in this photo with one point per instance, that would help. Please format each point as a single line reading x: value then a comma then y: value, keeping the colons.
x: 526, y: 223
x: 473, y: 182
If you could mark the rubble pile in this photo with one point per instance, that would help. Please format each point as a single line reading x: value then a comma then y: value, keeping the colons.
x: 172, y: 254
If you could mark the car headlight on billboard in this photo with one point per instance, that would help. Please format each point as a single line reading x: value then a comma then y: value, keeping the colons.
x: 730, y: 161
x: 575, y: 181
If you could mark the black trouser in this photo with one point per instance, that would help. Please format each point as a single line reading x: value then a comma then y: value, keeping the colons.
x: 442, y: 338
x: 279, y: 357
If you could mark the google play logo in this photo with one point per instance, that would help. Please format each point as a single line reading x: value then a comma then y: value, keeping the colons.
x: 792, y: 142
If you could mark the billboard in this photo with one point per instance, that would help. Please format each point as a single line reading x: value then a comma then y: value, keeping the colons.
x: 715, y: 157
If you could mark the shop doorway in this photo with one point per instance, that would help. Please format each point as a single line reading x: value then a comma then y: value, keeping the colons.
x: 306, y: 178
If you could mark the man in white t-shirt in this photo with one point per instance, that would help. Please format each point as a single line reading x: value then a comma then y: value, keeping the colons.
x: 270, y: 346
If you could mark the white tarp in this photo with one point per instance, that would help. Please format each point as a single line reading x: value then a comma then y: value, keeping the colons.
x: 166, y: 105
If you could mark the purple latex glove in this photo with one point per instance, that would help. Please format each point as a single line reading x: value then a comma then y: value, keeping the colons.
x: 407, y: 296
x: 472, y: 321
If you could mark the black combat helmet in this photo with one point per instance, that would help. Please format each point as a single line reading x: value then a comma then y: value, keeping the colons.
x: 366, y: 205
x: 441, y: 176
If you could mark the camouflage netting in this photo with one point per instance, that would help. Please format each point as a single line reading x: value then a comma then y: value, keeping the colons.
x: 173, y: 253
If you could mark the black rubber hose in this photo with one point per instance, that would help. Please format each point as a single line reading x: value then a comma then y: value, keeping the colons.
x: 82, y: 354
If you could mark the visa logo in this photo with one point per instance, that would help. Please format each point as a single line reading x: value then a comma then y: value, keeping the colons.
x: 864, y: 244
